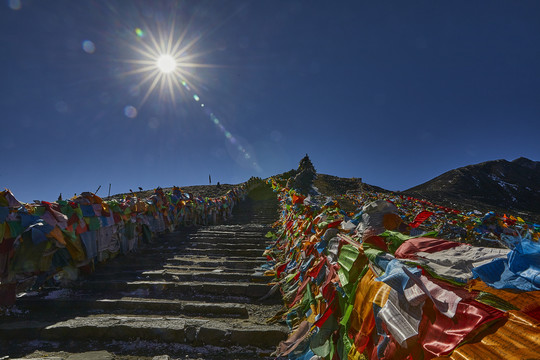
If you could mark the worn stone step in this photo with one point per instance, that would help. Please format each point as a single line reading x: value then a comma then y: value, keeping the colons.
x: 184, y: 273
x: 232, y: 227
x: 159, y: 253
x: 228, y: 263
x: 225, y: 252
x: 116, y: 350
x: 205, y: 243
x: 236, y: 237
x: 242, y: 232
x: 216, y: 268
x: 73, y: 304
x: 190, y: 247
x: 181, y: 290
x: 142, y: 264
x: 245, y: 230
x: 168, y: 329
x: 267, y: 221
x: 215, y: 275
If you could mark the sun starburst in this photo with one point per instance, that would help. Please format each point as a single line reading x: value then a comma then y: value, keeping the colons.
x: 165, y: 61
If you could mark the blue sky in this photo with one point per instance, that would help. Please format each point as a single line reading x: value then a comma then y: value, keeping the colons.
x: 393, y: 92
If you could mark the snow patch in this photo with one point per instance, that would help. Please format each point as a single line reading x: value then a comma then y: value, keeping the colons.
x: 505, y: 185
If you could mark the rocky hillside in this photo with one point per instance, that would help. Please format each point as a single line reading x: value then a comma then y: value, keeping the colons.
x: 196, y: 190
x: 500, y: 185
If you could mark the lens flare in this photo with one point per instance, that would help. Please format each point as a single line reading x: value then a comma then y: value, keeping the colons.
x: 15, y: 4
x: 130, y: 112
x: 88, y: 46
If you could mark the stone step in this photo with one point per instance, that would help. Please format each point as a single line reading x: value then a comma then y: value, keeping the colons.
x: 214, y: 268
x: 239, y: 233
x: 132, y: 305
x: 267, y: 221
x: 231, y: 228
x: 136, y: 266
x: 182, y: 290
x: 116, y: 350
x: 205, y: 243
x: 186, y: 273
x: 165, y: 329
x: 210, y: 276
x: 228, y: 263
x: 190, y: 247
x: 202, y: 233
x: 253, y: 236
x: 254, y: 253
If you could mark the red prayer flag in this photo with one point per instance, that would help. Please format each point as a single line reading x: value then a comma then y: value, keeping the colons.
x: 329, y: 311
x: 281, y: 268
x: 297, y: 199
x: 439, y: 335
x: 334, y: 224
x: 316, y: 270
x: 420, y: 218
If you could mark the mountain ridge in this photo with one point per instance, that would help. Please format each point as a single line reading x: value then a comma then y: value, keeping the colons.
x: 501, y: 184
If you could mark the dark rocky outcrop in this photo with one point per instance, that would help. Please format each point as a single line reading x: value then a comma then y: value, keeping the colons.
x: 303, y: 180
x: 499, y: 184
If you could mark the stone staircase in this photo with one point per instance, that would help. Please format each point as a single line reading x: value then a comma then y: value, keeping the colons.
x: 193, y: 293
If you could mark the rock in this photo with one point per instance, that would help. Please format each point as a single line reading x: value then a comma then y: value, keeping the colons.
x: 92, y: 355
x: 161, y: 357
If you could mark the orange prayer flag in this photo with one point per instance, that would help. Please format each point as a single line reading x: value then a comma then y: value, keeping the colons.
x: 516, y: 339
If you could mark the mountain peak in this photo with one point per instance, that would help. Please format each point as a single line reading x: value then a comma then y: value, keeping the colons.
x: 523, y: 161
x: 498, y: 183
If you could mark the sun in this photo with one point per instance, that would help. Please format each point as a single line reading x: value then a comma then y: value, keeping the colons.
x: 166, y: 63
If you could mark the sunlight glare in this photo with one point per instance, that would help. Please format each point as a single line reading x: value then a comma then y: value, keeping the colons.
x: 166, y: 63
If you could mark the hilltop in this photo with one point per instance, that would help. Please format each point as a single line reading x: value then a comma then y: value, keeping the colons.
x: 499, y: 185
x: 210, y: 191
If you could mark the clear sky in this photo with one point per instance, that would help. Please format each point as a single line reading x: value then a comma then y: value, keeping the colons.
x: 394, y: 92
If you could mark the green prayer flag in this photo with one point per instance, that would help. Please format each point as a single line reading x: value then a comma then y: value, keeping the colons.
x: 15, y: 228
x: 39, y: 210
x: 94, y: 223
x: 372, y: 253
x: 347, y: 315
x: 344, y: 344
x: 347, y: 257
x: 321, y: 343
x: 343, y: 277
x: 394, y: 239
